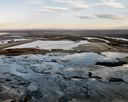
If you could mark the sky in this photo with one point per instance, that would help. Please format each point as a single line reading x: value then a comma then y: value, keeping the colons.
x: 63, y: 14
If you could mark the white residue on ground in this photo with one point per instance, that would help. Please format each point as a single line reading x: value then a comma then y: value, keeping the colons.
x: 123, y: 39
x: 90, y: 38
x: 11, y: 40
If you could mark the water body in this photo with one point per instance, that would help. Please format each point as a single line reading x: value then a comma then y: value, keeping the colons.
x: 61, y: 44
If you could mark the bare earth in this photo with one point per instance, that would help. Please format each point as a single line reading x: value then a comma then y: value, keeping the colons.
x: 61, y: 75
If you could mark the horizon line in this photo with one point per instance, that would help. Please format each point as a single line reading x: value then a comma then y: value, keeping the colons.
x: 6, y: 30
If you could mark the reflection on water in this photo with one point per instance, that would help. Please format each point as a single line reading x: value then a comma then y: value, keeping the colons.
x: 83, y: 59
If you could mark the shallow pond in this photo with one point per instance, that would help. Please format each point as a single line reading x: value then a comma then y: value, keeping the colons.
x: 60, y: 44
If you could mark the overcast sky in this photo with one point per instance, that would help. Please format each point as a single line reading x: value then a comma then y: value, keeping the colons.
x: 63, y: 14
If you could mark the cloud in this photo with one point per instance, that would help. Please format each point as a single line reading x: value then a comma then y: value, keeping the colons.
x: 110, y: 4
x: 112, y: 16
x: 84, y: 17
x: 113, y: 4
x: 81, y: 4
x: 74, y: 4
x: 118, y: 17
x: 53, y: 9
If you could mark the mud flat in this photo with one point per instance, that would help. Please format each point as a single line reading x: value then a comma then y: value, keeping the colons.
x: 46, y: 46
x: 71, y: 43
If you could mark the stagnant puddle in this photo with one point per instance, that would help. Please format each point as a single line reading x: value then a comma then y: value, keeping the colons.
x: 62, y: 77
